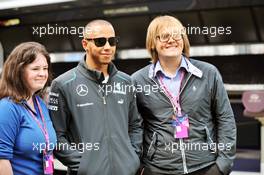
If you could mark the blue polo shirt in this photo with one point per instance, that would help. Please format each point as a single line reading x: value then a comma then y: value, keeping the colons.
x: 21, y: 139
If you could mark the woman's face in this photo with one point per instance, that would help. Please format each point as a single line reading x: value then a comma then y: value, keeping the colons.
x: 36, y: 74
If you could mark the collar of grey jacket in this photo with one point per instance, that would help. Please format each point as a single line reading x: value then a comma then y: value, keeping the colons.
x: 94, y: 74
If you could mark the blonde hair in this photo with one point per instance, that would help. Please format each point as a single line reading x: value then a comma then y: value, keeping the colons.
x: 155, y: 26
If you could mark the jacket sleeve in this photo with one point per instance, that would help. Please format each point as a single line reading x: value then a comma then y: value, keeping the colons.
x: 60, y: 115
x: 135, y: 126
x: 226, y: 125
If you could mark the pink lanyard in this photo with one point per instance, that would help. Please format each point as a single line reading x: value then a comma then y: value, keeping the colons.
x: 175, y: 100
x: 43, y: 129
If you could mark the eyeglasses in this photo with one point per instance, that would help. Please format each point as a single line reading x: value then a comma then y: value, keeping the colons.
x: 100, y: 42
x: 165, y: 37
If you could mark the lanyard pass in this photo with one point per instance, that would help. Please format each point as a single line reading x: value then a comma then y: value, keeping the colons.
x: 181, y: 126
x: 48, y: 163
x: 47, y: 155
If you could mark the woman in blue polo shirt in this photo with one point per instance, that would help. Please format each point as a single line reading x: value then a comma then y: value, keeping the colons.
x: 27, y: 137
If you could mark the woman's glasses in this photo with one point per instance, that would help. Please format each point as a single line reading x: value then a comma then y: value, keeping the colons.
x: 100, y: 42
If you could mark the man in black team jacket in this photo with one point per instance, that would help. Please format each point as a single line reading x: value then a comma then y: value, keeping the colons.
x: 96, y: 120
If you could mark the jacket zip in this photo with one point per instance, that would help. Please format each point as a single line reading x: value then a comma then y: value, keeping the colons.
x: 104, y: 100
x: 185, y: 170
x: 185, y: 84
x: 154, y: 135
x: 108, y: 134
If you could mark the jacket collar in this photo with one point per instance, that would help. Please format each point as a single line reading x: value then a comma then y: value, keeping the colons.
x: 193, y: 69
x: 190, y: 68
x: 94, y: 74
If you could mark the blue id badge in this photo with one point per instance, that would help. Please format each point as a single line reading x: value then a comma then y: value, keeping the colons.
x: 181, y: 126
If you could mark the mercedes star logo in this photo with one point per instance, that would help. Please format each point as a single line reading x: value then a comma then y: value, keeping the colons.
x: 82, y: 90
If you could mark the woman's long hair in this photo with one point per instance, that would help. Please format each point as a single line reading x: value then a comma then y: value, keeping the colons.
x: 12, y: 82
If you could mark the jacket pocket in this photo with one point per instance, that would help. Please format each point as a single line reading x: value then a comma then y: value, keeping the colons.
x: 211, y: 144
x: 152, y: 146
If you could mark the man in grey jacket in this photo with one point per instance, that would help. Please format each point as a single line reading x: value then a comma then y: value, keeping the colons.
x: 94, y: 110
x: 189, y: 126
